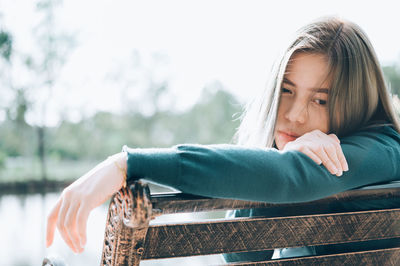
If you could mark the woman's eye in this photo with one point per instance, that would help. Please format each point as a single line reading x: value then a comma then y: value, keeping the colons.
x: 320, y: 102
x: 284, y: 90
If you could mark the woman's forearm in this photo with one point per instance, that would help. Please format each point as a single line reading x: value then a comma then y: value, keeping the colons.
x: 231, y: 171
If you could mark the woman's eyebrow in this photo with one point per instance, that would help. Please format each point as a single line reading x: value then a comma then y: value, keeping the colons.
x: 286, y: 80
x: 320, y: 90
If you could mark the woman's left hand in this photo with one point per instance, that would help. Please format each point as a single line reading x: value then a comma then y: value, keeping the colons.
x: 71, y: 211
x: 321, y: 148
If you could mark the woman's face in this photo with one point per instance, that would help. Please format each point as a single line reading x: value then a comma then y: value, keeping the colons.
x: 304, y: 97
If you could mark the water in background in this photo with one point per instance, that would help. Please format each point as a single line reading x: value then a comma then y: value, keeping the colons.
x: 22, y: 231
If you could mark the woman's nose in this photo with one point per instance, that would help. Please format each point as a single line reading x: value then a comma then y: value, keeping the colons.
x: 297, y: 112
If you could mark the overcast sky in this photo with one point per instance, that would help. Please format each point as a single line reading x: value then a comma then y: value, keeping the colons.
x: 234, y: 42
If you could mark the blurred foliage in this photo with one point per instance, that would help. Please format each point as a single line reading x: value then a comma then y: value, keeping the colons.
x: 392, y: 76
x: 3, y: 158
x: 208, y: 121
x: 42, y: 65
x: 148, y: 120
x: 396, y: 104
x: 18, y: 107
x: 5, y: 45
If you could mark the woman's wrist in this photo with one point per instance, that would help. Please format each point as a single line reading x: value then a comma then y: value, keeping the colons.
x: 119, y: 161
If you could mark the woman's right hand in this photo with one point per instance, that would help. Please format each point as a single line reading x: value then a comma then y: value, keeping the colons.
x: 72, y: 209
x: 322, y: 149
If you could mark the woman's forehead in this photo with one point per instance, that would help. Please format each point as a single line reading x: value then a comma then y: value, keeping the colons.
x: 308, y: 70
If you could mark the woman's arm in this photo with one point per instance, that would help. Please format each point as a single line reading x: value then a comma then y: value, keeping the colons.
x: 231, y: 171
x: 227, y: 171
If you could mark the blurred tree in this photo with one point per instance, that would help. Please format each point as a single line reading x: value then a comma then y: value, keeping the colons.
x: 12, y: 130
x: 3, y: 157
x: 6, y: 48
x: 392, y: 76
x: 16, y: 108
x: 5, y: 45
x: 396, y: 104
x: 19, y: 106
x: 143, y: 82
x: 46, y: 63
x: 210, y: 120
x: 32, y: 93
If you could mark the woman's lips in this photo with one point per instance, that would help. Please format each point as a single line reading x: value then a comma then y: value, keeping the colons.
x: 287, y: 137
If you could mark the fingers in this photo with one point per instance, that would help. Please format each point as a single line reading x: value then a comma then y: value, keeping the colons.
x: 327, y: 161
x: 70, y: 219
x: 71, y: 212
x: 342, y: 158
x: 61, y: 225
x: 321, y: 148
x: 51, y: 223
x: 81, y: 222
x: 334, y: 137
x: 70, y: 225
x: 339, y: 152
x: 312, y: 155
x: 335, y: 166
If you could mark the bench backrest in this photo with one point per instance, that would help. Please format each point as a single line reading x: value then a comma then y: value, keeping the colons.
x: 130, y: 237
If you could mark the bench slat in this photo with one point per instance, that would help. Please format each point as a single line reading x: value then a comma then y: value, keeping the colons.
x: 167, y: 203
x: 252, y: 234
x: 375, y: 257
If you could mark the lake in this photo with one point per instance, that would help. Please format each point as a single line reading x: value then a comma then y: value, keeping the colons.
x: 22, y: 230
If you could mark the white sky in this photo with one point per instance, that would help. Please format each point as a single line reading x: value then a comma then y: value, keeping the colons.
x: 234, y: 42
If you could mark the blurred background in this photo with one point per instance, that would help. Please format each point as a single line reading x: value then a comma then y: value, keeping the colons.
x: 79, y: 79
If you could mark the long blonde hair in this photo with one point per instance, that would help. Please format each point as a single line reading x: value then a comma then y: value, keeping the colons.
x: 358, y: 89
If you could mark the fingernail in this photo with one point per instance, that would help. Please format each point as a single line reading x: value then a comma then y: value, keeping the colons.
x: 340, y: 173
x: 334, y: 170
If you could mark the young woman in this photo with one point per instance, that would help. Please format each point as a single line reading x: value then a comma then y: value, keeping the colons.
x: 324, y: 124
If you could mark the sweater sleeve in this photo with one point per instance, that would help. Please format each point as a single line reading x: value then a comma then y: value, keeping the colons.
x: 265, y: 174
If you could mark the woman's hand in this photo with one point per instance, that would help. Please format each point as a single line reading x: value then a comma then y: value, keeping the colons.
x: 321, y: 148
x: 72, y: 209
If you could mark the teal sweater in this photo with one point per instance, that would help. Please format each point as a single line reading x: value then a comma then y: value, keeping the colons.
x: 267, y: 174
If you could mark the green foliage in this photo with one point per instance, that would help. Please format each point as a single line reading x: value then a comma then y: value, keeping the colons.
x: 208, y: 121
x: 3, y: 158
x: 392, y: 76
x: 16, y: 139
x: 19, y: 107
x: 72, y: 148
x: 396, y: 104
x: 5, y: 45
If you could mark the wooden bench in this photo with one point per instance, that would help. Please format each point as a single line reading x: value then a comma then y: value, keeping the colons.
x: 130, y: 238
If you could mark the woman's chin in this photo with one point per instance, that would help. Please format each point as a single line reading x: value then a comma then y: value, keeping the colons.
x: 280, y: 145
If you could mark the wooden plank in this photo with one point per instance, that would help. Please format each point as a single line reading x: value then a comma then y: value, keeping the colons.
x: 389, y: 257
x: 252, y: 234
x: 166, y: 203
